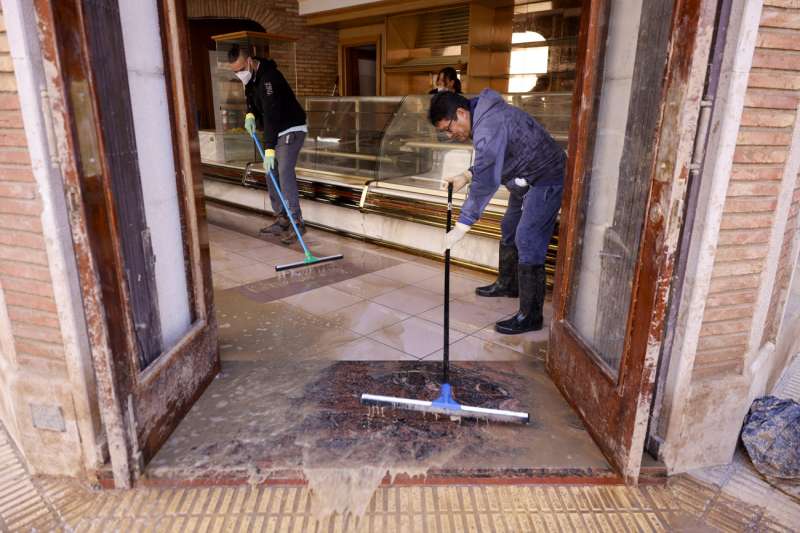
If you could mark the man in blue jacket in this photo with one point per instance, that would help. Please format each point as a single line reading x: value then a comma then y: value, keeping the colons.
x: 514, y: 150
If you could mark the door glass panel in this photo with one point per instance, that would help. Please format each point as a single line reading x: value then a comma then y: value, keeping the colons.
x: 609, y: 226
x: 148, y: 91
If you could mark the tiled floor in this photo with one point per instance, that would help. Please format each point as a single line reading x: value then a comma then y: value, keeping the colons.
x: 399, y: 308
x: 299, y: 348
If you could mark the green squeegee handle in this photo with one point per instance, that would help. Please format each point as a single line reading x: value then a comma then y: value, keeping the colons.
x: 309, y: 257
x: 446, y: 348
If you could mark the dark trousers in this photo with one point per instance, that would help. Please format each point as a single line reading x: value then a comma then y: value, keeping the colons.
x: 286, y: 152
x: 529, y: 221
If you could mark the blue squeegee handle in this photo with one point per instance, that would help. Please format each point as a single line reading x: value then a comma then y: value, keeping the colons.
x: 446, y: 348
x: 280, y: 195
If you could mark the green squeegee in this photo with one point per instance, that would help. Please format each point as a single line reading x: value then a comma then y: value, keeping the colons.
x: 309, y: 259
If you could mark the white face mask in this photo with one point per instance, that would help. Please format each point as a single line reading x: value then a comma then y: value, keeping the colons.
x: 244, y: 76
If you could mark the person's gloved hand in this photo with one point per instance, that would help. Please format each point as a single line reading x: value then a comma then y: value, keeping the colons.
x: 459, y: 181
x: 250, y: 123
x: 455, y: 235
x: 269, y: 160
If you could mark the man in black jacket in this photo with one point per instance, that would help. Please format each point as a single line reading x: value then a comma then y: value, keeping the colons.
x: 272, y: 105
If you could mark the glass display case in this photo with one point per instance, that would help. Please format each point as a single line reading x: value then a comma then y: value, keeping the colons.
x: 344, y: 137
x: 415, y: 158
x: 381, y: 156
x: 387, y: 144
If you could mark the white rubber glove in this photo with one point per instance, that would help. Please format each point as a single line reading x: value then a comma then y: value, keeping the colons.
x: 455, y: 235
x: 269, y: 160
x: 459, y: 181
x: 250, y: 123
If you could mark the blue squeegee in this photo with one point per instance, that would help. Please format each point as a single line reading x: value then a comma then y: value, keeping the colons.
x: 309, y: 258
x: 446, y: 404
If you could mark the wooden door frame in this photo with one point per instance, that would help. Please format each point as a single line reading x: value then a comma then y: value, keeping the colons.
x: 358, y: 37
x: 687, y: 52
x: 133, y: 437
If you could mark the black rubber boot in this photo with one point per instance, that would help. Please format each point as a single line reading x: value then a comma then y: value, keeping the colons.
x: 280, y: 225
x: 506, y: 283
x: 531, y: 301
x: 289, y: 236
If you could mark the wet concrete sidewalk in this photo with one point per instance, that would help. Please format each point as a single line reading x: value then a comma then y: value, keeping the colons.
x: 684, y: 504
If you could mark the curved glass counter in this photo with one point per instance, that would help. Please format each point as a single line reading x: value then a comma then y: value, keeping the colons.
x: 379, y: 155
x: 379, y: 146
x: 414, y: 157
x: 344, y: 137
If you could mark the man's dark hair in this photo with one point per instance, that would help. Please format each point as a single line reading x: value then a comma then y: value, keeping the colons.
x: 236, y: 51
x: 444, y: 106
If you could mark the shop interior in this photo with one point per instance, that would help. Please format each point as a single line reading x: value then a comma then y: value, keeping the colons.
x: 299, y: 348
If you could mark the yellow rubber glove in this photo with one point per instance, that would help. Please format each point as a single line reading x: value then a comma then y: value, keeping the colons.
x: 459, y: 181
x: 269, y: 160
x: 250, y: 123
x: 455, y: 235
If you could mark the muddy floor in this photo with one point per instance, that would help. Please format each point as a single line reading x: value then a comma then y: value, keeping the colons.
x: 298, y: 349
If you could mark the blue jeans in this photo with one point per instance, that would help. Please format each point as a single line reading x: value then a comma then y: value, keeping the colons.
x: 529, y: 221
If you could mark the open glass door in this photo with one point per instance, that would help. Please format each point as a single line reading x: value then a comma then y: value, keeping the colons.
x: 131, y: 170
x: 602, y: 355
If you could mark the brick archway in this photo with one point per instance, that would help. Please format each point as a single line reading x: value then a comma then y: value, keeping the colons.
x: 317, y: 48
x: 273, y: 15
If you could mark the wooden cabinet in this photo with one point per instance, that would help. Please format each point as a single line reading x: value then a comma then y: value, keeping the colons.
x: 473, y: 38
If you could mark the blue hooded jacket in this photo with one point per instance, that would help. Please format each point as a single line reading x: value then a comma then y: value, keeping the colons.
x: 509, y: 144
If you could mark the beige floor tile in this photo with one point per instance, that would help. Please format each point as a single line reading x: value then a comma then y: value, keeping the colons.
x: 477, y: 349
x: 434, y: 263
x: 229, y: 260
x: 366, y: 349
x: 459, y: 285
x: 481, y: 278
x: 414, y: 336
x: 409, y: 272
x: 367, y: 317
x: 465, y: 317
x: 531, y: 343
x: 394, y: 254
x: 409, y: 299
x: 238, y: 244
x: 267, y: 253
x: 220, y: 232
x: 506, y: 306
x: 251, y: 273
x: 222, y: 282
x: 368, y: 285
x: 330, y: 339
x: 322, y: 301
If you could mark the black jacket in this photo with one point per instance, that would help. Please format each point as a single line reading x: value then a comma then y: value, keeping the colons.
x: 271, y: 99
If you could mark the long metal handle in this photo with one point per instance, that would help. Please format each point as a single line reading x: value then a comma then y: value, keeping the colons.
x: 446, y: 349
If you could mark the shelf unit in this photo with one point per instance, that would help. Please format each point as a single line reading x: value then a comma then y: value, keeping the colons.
x: 472, y: 38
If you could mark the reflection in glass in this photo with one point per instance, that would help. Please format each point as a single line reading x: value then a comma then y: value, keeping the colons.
x: 601, y: 290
